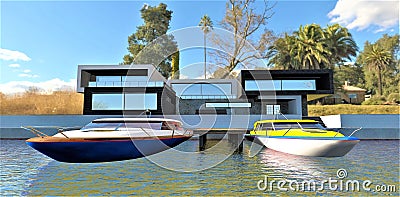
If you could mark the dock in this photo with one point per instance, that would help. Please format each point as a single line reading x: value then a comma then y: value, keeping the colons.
x: 235, y: 136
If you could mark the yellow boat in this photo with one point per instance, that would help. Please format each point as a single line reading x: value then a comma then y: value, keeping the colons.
x: 302, y: 137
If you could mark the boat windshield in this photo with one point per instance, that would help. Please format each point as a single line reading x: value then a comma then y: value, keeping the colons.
x: 116, y: 125
x: 295, y: 125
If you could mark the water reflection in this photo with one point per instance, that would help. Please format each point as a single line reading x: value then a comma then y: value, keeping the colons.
x: 27, y: 172
x: 292, y: 166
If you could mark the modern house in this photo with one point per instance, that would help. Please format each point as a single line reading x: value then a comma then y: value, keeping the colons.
x: 132, y: 90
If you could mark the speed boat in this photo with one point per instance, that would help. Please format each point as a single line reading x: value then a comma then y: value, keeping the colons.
x: 302, y: 137
x: 112, y: 139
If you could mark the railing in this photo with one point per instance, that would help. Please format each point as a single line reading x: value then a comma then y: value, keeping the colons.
x: 127, y: 84
x: 208, y: 96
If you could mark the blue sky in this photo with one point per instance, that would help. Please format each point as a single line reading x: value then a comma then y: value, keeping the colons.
x: 42, y: 42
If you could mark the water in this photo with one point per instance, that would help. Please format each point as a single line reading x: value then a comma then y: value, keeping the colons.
x: 27, y: 172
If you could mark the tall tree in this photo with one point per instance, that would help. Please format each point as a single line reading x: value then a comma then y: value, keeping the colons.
x: 156, y: 23
x: 206, y: 25
x: 390, y: 75
x: 313, y: 47
x: 249, y: 39
x: 175, y: 66
x: 340, y: 43
x: 282, y: 53
x: 312, y: 52
x: 378, y: 59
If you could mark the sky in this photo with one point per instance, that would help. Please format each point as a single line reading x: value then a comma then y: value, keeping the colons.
x: 43, y: 42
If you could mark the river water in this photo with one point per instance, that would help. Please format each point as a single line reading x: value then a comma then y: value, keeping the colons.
x: 373, y: 164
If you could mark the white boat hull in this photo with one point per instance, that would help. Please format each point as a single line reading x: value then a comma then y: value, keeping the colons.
x: 310, y: 147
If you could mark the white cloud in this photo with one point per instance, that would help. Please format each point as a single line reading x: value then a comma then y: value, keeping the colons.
x: 28, y: 75
x: 362, y: 14
x: 14, y: 65
x: 7, y: 55
x: 26, y: 71
x: 49, y: 86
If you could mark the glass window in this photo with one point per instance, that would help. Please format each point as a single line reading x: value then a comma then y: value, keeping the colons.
x: 257, y: 85
x: 119, y: 125
x: 141, y: 101
x: 298, y: 85
x: 270, y: 109
x: 107, y: 102
x: 352, y: 96
x: 266, y: 126
x: 108, y: 78
x: 187, y: 89
x: 216, y: 89
x: 134, y: 78
x: 273, y: 109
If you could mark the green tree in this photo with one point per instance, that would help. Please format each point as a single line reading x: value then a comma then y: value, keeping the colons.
x: 311, y: 50
x: 313, y: 47
x: 206, y: 25
x: 156, y: 23
x: 378, y: 59
x: 175, y: 66
x: 390, y: 75
x: 352, y: 73
x: 282, y: 53
x: 340, y: 43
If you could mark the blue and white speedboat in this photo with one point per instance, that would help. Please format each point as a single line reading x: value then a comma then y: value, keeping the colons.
x: 112, y: 139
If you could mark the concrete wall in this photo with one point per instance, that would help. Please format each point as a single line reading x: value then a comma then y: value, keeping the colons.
x: 373, y: 126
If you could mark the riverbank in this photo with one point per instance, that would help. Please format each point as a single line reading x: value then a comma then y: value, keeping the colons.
x: 325, y: 110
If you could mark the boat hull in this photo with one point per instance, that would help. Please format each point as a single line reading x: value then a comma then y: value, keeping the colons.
x: 101, y: 150
x: 316, y: 147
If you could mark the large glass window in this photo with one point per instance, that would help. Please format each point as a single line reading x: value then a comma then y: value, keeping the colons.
x: 107, y: 102
x: 217, y: 89
x: 257, y: 85
x: 298, y: 85
x: 134, y: 78
x: 141, y: 101
x: 124, y: 81
x: 187, y: 89
x: 279, y: 85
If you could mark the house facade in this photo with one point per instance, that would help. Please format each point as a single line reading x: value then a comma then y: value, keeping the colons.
x: 132, y: 90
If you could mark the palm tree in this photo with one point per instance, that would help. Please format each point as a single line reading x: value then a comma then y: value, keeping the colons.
x: 312, y: 52
x: 206, y: 25
x: 340, y: 43
x: 282, y: 53
x: 378, y: 59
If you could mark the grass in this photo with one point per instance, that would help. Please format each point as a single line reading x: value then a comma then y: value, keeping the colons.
x: 323, y: 110
x: 62, y: 102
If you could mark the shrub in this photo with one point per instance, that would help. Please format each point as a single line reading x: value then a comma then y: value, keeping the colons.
x: 394, y: 98
x: 375, y: 100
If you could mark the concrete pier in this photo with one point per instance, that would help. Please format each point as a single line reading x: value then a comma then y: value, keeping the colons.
x: 235, y: 137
